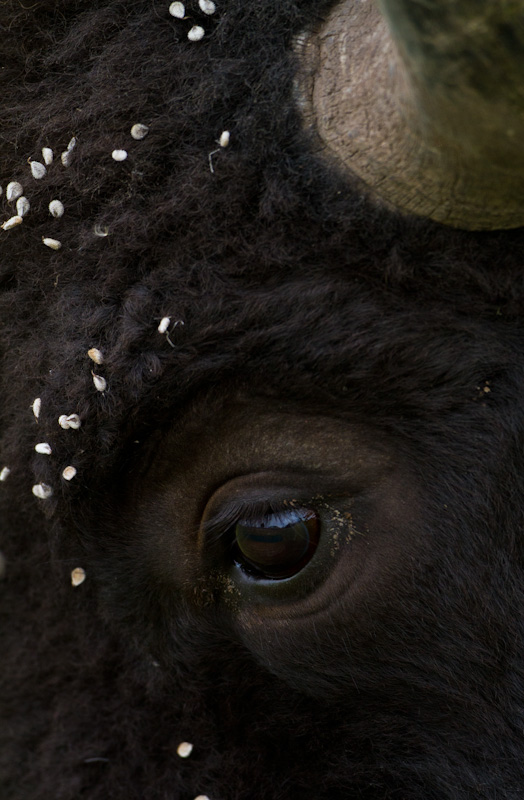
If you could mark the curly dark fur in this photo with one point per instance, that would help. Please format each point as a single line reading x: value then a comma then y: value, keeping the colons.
x: 291, y: 286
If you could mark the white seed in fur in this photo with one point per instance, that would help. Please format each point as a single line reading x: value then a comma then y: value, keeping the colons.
x: 207, y: 6
x: 69, y: 473
x: 67, y: 156
x: 202, y: 797
x: 119, y: 155
x: 37, y: 405
x: 100, y: 382
x: 177, y: 10
x: 14, y: 191
x: 95, y: 355
x: 44, y: 448
x: 38, y: 170
x: 165, y: 322
x: 47, y: 155
x: 22, y: 206
x: 4, y: 474
x: 224, y: 139
x: 184, y: 749
x: 78, y: 576
x: 54, y: 244
x: 42, y: 491
x: 139, y: 131
x: 69, y: 421
x: 12, y: 222
x: 56, y: 208
x: 195, y: 33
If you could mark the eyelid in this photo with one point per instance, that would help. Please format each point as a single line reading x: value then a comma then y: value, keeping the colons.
x: 229, y: 514
x: 255, y: 495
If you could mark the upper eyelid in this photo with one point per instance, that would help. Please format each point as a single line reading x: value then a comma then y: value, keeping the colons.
x: 264, y: 492
x: 233, y: 512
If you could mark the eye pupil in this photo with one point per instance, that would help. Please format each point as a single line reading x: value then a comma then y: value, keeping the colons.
x: 279, y: 545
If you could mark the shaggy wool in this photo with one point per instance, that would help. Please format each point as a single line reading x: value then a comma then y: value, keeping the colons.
x: 283, y: 283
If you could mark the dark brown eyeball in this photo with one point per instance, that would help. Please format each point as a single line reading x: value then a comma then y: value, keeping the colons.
x: 279, y: 544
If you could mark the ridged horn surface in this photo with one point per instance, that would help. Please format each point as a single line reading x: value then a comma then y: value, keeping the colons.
x: 423, y: 100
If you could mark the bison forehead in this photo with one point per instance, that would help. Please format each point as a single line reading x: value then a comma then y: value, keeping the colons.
x: 242, y: 247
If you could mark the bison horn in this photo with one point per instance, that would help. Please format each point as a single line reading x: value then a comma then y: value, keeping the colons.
x: 423, y: 100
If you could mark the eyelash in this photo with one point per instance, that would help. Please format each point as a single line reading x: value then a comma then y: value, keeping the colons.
x: 255, y: 511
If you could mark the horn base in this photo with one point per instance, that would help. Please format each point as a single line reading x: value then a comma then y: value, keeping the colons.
x: 424, y: 151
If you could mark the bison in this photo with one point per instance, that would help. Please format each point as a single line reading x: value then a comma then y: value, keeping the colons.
x: 261, y: 418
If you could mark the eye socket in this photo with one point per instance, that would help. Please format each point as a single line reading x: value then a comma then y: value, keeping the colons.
x: 276, y: 545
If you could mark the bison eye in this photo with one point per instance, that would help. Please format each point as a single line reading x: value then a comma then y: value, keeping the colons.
x: 276, y: 545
